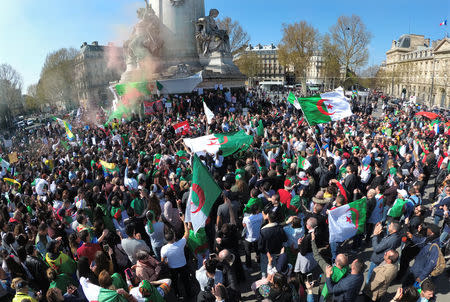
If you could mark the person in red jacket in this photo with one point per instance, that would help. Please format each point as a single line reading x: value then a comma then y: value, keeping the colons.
x: 87, y: 249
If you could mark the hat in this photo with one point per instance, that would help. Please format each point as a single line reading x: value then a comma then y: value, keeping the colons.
x: 319, y: 198
x: 393, y: 171
x: 288, y: 184
x: 346, y: 155
x: 434, y: 228
x: 304, y: 181
x: 403, y: 193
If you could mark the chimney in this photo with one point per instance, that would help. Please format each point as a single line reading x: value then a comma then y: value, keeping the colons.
x: 95, y: 43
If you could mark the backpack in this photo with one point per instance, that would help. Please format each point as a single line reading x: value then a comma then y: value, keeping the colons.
x: 440, y: 263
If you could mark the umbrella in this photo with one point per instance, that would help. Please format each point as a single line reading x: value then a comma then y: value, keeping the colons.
x: 430, y: 115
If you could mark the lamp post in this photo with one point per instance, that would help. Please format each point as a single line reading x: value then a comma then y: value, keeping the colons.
x: 432, y: 84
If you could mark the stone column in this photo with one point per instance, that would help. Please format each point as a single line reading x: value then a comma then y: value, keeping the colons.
x: 178, y: 18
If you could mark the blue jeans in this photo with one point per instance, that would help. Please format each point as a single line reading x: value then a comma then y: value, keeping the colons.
x: 265, y: 263
x: 369, y: 273
x: 385, y: 211
x: 437, y: 219
x: 334, y: 246
x: 157, y: 251
x: 443, y: 238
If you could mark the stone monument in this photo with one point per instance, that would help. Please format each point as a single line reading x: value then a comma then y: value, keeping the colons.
x: 173, y: 39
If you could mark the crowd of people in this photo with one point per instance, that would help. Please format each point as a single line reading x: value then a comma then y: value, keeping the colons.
x: 100, y: 217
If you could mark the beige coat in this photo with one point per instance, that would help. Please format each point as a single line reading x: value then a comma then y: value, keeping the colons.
x: 380, y: 280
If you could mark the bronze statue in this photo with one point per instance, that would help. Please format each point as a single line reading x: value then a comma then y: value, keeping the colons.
x: 209, y: 37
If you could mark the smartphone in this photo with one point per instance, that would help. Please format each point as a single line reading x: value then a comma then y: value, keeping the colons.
x: 309, y: 278
x: 129, y: 274
x: 106, y: 248
x: 93, y: 263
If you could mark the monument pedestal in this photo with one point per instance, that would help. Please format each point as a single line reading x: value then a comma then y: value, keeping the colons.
x: 219, y: 63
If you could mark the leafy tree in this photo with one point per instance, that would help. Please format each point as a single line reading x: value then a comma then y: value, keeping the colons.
x: 56, y: 84
x: 352, y: 38
x: 239, y: 38
x: 249, y: 64
x: 298, y: 45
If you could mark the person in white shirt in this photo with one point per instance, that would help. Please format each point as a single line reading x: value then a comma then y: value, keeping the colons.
x: 208, y: 271
x: 173, y: 254
x: 252, y: 225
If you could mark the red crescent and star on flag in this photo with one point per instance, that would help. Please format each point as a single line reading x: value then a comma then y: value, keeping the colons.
x: 201, y: 197
x: 320, y: 108
x: 215, y: 141
x: 349, y: 218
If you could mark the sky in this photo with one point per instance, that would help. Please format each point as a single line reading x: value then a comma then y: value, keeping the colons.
x: 30, y: 29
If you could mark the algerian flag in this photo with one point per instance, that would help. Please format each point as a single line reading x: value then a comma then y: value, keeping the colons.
x: 348, y: 220
x: 435, y: 125
x: 197, y: 242
x: 209, y: 114
x: 260, y: 129
x: 203, y: 194
x: 227, y: 142
x: 4, y: 163
x: 109, y: 168
x: 293, y: 100
x: 329, y: 106
x: 67, y: 127
x: 95, y: 293
x: 303, y: 163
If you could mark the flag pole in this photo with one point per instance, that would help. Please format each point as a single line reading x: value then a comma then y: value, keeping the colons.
x: 304, y: 115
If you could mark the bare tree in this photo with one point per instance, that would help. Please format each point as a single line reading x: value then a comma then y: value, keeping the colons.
x: 239, y: 38
x: 32, y: 90
x: 298, y: 45
x: 352, y: 39
x: 249, y: 64
x: 331, y: 68
x: 10, y: 93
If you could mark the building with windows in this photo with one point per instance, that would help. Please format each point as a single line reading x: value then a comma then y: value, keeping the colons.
x: 272, y: 73
x: 418, y: 68
x: 96, y: 67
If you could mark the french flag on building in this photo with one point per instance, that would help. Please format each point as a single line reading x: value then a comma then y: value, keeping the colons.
x: 443, y: 22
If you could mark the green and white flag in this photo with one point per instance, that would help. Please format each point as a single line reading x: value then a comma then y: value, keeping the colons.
x: 348, y: 220
x: 95, y: 293
x: 4, y: 163
x: 209, y: 114
x: 303, y: 163
x: 204, y: 192
x: 329, y: 106
x: 293, y: 100
x: 227, y: 142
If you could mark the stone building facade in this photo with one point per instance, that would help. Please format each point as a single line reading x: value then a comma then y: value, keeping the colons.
x: 417, y: 68
x: 273, y: 73
x: 96, y: 67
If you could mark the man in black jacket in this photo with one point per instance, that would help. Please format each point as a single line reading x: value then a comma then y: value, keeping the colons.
x: 37, y: 268
x: 271, y: 239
